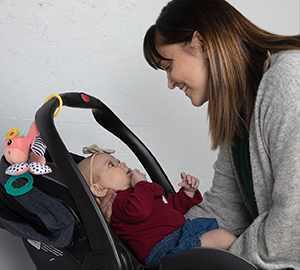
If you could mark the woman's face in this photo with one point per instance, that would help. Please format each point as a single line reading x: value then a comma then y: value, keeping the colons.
x: 188, y: 69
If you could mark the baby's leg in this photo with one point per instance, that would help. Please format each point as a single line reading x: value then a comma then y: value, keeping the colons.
x: 218, y: 238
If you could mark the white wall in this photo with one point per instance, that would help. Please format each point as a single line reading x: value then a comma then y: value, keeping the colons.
x: 49, y: 46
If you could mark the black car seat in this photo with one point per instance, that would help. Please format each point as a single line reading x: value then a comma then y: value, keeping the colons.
x: 88, y: 242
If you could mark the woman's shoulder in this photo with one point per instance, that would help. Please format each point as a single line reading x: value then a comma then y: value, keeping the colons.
x: 281, y: 82
x: 285, y: 61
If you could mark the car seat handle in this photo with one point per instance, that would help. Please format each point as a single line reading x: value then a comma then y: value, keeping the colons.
x: 108, y: 120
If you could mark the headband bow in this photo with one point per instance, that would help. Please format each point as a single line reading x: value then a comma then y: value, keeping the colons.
x: 94, y: 149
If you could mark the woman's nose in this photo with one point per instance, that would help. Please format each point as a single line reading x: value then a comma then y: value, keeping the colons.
x: 171, y: 82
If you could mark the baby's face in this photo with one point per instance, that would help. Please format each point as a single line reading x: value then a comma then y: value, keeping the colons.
x: 113, y: 174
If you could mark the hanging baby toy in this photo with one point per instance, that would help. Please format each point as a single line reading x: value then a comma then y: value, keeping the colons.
x: 25, y: 153
x: 26, y: 156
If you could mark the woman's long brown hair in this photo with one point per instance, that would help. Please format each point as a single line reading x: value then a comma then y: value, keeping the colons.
x: 237, y: 51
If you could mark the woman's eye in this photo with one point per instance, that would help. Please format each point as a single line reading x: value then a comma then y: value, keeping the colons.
x: 111, y: 165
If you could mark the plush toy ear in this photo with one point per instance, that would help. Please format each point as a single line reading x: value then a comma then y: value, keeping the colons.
x: 98, y: 190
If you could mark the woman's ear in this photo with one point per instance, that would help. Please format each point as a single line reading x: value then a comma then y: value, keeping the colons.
x: 98, y: 191
x: 197, y: 41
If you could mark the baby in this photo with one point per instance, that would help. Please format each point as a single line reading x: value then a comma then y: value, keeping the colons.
x: 153, y: 225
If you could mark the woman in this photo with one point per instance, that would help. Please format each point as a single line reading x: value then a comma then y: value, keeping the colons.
x: 251, y: 80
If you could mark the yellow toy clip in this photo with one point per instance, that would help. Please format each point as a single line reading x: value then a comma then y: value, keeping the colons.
x: 12, y: 133
x: 60, y: 103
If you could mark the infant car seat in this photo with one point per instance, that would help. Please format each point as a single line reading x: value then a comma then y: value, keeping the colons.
x: 59, y: 220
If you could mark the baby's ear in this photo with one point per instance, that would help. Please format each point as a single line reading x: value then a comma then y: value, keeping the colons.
x: 98, y: 191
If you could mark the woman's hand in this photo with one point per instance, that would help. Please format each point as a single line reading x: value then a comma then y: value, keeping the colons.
x: 189, y: 184
x: 105, y: 204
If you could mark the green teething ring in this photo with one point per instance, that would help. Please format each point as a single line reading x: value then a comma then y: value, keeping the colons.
x: 22, y: 190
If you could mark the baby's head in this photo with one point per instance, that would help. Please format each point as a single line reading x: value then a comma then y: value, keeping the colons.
x: 103, y: 171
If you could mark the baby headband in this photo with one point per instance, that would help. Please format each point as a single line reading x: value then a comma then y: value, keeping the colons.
x: 94, y: 150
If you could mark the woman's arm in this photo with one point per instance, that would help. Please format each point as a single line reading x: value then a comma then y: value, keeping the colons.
x: 224, y: 200
x: 273, y: 239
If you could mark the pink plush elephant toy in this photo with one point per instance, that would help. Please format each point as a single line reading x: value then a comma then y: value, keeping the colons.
x: 25, y: 152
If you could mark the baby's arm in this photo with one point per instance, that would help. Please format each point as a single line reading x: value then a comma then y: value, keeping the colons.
x: 189, y: 184
x: 218, y: 238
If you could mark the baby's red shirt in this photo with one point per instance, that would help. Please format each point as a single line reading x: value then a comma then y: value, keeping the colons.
x: 143, y: 216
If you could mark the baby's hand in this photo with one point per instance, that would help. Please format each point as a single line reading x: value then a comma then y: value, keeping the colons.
x: 189, y: 184
x: 137, y: 176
